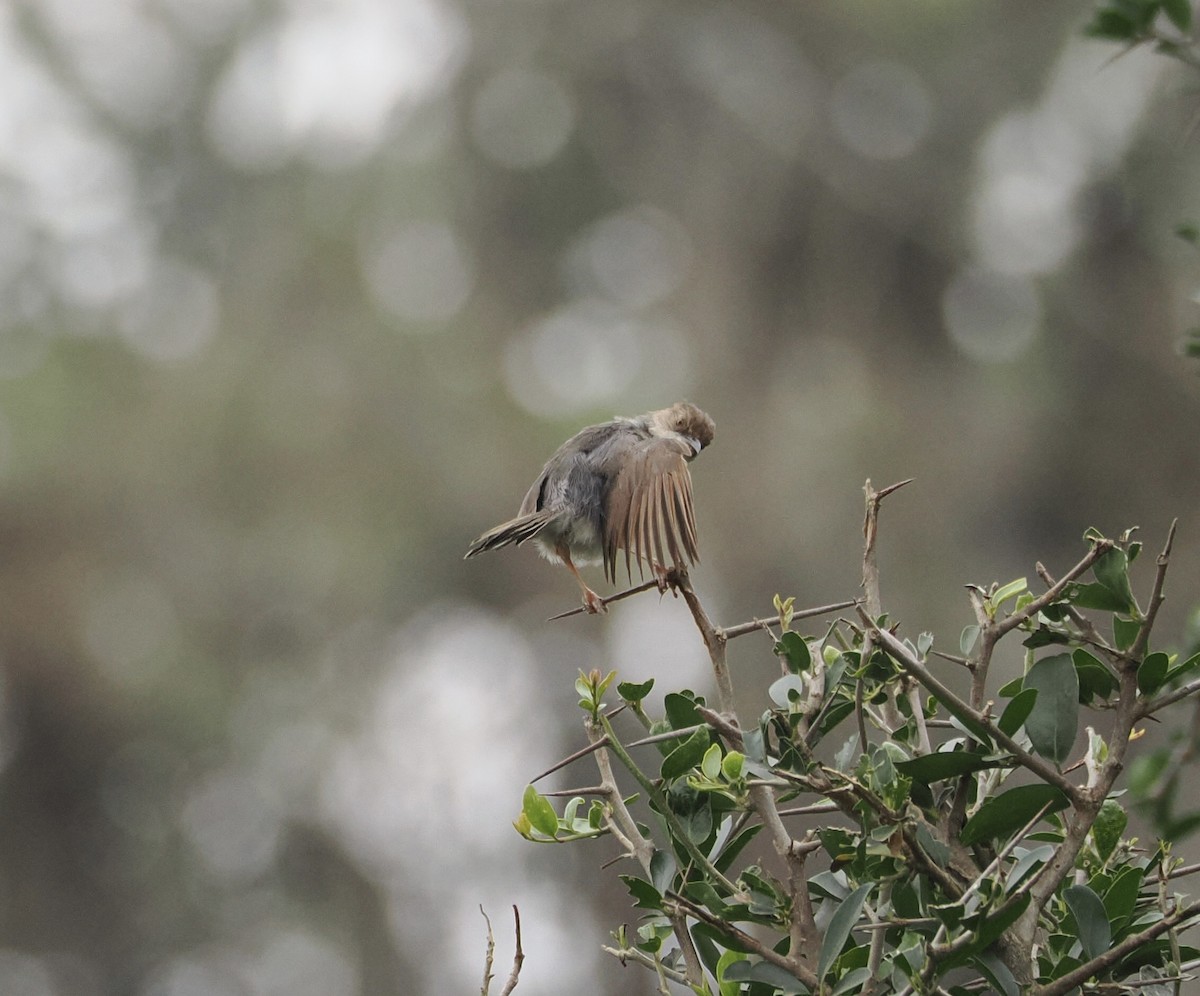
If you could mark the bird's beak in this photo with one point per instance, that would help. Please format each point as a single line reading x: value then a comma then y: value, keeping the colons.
x: 694, y: 443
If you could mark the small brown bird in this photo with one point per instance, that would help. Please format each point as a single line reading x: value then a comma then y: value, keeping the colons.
x: 621, y: 485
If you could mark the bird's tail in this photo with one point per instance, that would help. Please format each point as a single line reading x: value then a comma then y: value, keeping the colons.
x: 517, y: 531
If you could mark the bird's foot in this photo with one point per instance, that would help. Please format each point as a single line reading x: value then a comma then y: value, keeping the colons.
x: 593, y: 603
x: 666, y: 578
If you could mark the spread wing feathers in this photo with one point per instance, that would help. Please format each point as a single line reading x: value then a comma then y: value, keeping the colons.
x: 650, y: 514
x: 517, y: 530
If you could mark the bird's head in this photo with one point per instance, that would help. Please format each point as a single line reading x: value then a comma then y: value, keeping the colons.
x: 685, y: 421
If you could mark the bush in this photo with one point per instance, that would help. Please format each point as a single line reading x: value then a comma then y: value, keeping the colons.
x: 878, y: 831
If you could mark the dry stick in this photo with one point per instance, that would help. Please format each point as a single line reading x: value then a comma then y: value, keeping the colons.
x: 871, y: 596
x: 1156, y: 595
x: 754, y: 625
x: 491, y: 950
x: 518, y: 957
x: 635, y: 590
x: 714, y: 640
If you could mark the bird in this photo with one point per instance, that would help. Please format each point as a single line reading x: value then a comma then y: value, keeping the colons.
x: 622, y: 485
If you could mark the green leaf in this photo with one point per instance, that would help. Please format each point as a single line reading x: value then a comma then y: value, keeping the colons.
x: 1096, y: 596
x: 731, y: 765
x: 1181, y: 669
x: 631, y: 691
x: 1054, y: 719
x: 997, y: 974
x: 786, y: 690
x: 1005, y: 813
x: 929, y: 768
x: 1110, y: 824
x: 1153, y: 672
x: 686, y: 756
x: 710, y: 765
x: 1180, y: 13
x: 764, y: 971
x: 967, y: 639
x: 851, y: 982
x: 794, y: 649
x: 645, y: 896
x: 1112, y: 571
x: 992, y: 926
x: 662, y: 870
x: 539, y: 812
x: 1010, y: 590
x: 729, y: 987
x: 681, y: 710
x: 1120, y: 898
x: 1017, y: 711
x: 1095, y: 932
x: 838, y: 931
x: 1095, y: 679
x: 1125, y: 631
x: 734, y: 846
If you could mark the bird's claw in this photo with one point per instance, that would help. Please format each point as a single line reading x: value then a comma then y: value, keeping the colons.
x: 593, y: 603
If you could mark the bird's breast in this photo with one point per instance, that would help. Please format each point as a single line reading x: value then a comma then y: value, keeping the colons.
x: 580, y: 535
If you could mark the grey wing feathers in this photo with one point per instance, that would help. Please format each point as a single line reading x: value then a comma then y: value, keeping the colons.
x: 650, y: 512
x: 518, y: 530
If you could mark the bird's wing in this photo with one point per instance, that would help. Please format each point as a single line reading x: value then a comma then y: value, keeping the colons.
x: 649, y: 512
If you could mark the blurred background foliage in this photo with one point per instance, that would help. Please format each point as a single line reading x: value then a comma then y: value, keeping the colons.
x: 298, y: 295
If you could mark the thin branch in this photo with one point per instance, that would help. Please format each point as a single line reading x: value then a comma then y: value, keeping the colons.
x: 677, y: 829
x: 1028, y: 611
x: 1065, y: 983
x: 1169, y: 698
x: 518, y: 957
x: 748, y: 941
x: 958, y: 707
x: 637, y: 589
x: 714, y: 638
x: 754, y: 625
x: 491, y: 951
x: 1142, y: 639
x: 633, y: 954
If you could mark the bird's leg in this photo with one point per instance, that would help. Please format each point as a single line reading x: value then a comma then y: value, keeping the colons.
x: 663, y: 577
x: 591, y: 601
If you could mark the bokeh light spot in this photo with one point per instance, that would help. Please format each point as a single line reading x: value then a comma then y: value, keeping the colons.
x: 585, y: 354
x: 25, y: 975
x: 233, y: 825
x: 882, y: 110
x: 175, y: 315
x: 419, y: 272
x: 129, y: 623
x: 635, y: 257
x: 522, y: 118
x: 991, y: 317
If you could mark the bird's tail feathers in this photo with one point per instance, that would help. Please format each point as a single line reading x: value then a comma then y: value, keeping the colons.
x: 515, y: 531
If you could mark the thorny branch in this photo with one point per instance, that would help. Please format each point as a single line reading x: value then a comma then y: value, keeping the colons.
x: 967, y: 870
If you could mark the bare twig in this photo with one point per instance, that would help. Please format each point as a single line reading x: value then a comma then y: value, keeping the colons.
x: 754, y: 625
x: 518, y: 957
x: 637, y: 589
x: 491, y: 951
x: 714, y: 638
x: 1142, y: 639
